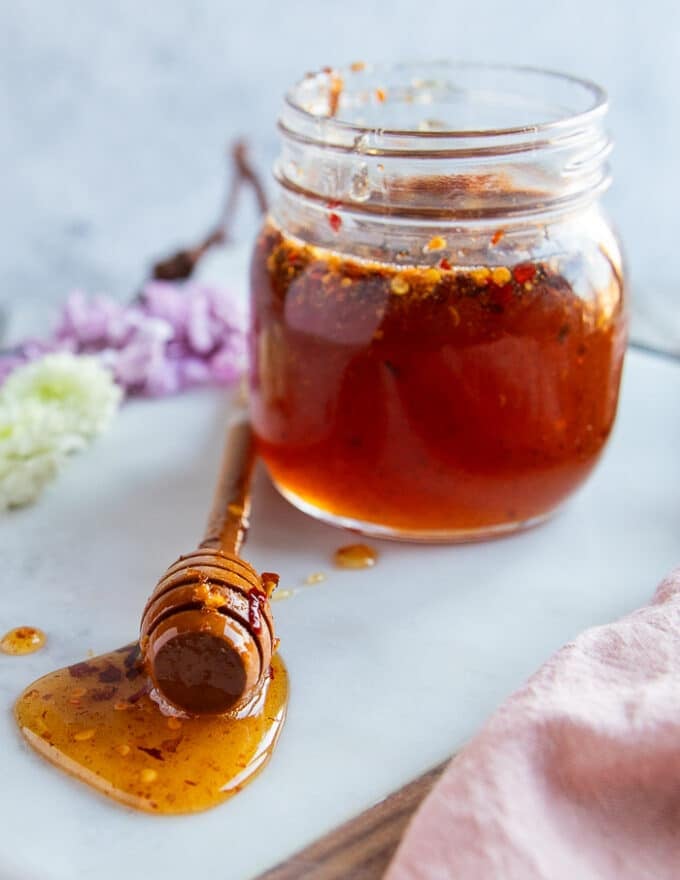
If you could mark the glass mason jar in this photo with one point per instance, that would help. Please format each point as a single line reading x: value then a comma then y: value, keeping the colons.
x: 438, y: 312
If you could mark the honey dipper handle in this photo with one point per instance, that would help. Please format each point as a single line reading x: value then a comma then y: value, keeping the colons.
x: 228, y: 521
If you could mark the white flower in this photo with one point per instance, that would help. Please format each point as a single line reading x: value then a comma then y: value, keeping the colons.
x: 30, y: 452
x: 48, y: 409
x: 79, y: 392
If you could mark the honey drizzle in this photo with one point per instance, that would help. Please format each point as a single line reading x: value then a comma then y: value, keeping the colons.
x: 97, y: 721
x: 22, y: 640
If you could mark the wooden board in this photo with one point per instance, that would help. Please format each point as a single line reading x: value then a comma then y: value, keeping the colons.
x: 361, y: 848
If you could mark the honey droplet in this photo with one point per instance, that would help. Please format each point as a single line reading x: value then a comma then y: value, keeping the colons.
x: 280, y: 595
x: 22, y: 640
x: 355, y: 556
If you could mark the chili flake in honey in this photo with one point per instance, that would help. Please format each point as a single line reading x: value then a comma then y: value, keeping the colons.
x: 424, y: 399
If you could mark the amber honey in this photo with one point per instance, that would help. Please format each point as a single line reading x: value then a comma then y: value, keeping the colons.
x: 22, y: 640
x: 98, y: 722
x: 355, y: 556
x: 431, y: 401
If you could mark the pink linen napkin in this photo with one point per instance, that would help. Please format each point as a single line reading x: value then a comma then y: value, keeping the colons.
x: 576, y: 776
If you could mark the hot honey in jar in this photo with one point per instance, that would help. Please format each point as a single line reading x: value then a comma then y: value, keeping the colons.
x: 437, y: 338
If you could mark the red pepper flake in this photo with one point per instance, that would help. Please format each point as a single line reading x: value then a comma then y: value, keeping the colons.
x: 110, y: 673
x: 154, y: 753
x: 524, y: 272
x: 334, y: 221
x: 137, y: 696
x: 82, y: 670
x: 100, y: 695
x: 444, y: 264
x: 497, y: 236
x: 256, y: 600
x: 334, y: 93
x: 332, y: 204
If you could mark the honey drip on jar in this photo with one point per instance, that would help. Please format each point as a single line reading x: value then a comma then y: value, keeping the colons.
x: 97, y: 721
x: 22, y: 640
x: 355, y: 556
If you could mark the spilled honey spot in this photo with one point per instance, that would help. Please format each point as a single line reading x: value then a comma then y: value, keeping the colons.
x: 355, y: 556
x: 280, y: 595
x: 139, y: 756
x: 22, y: 640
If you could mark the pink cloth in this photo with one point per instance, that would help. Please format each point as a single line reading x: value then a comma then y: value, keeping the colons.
x: 576, y: 776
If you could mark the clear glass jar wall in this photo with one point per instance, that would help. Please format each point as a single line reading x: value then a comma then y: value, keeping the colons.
x: 438, y: 309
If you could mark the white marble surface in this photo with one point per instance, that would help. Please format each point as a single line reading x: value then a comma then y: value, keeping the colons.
x: 114, y: 115
x: 372, y: 705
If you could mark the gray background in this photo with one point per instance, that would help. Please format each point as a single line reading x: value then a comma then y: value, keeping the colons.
x: 115, y: 115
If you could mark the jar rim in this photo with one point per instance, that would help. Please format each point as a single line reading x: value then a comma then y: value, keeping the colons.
x: 337, y: 150
x: 342, y: 132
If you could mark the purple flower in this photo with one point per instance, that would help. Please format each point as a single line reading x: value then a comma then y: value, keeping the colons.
x: 164, y: 299
x: 178, y: 335
x: 88, y: 322
x: 226, y: 365
x: 8, y: 363
x: 202, y: 334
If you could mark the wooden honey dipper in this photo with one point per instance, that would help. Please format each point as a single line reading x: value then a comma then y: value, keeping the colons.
x: 207, y: 634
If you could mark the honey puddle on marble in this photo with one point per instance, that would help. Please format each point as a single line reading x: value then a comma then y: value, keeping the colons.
x: 96, y: 721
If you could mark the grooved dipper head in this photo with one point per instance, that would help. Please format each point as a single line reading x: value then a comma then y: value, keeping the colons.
x: 207, y: 633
